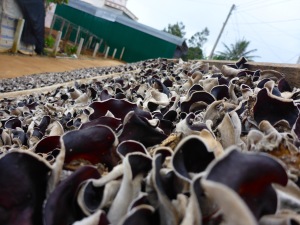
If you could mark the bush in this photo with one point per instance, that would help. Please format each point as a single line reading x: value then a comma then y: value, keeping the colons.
x: 70, y: 50
x: 49, y: 41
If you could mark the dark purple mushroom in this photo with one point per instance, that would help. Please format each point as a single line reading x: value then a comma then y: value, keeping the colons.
x: 251, y: 176
x: 152, y: 106
x: 77, y: 122
x: 119, y: 80
x: 166, y: 126
x: 166, y: 210
x: 143, y: 214
x: 104, y: 95
x: 32, y: 105
x: 169, y: 183
x: 37, y: 133
x: 23, y: 185
x: 136, y: 166
x: 223, y: 81
x: 157, y: 84
x: 48, y: 144
x: 93, y: 93
x: 20, y: 135
x: 271, y: 108
x: 95, y: 144
x: 142, y: 199
x: 171, y: 115
x: 209, y: 210
x: 283, y: 85
x: 194, y: 88
x: 13, y: 123
x: 220, y: 92
x: 118, y: 107
x: 276, y: 92
x: 198, y: 96
x: 245, y: 73
x: 189, y: 122
x: 70, y: 124
x: 120, y: 95
x: 168, y: 83
x: 296, y: 127
x: 240, y: 64
x: 44, y: 124
x: 130, y: 146
x: 256, y: 75
x: 111, y: 122
x: 191, y: 156
x: 261, y: 83
x: 157, y: 115
x: 61, y: 206
x: 139, y: 129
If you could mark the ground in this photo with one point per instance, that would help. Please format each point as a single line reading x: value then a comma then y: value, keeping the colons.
x: 15, y: 65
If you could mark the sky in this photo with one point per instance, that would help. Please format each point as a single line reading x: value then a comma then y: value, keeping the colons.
x: 271, y: 26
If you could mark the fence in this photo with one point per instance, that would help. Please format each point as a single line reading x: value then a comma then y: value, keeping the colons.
x: 72, y: 33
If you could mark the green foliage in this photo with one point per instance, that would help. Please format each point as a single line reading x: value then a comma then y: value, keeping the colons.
x: 219, y: 57
x: 196, y: 42
x: 176, y: 29
x: 236, y: 51
x: 70, y: 50
x: 199, y: 38
x: 193, y: 53
x: 49, y: 41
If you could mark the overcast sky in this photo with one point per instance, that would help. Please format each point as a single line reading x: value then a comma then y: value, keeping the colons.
x: 271, y: 26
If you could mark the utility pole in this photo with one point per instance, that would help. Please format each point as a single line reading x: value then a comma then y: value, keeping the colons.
x: 224, y: 24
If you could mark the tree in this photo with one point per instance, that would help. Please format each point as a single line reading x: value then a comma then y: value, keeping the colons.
x: 196, y: 42
x: 199, y: 38
x: 236, y: 51
x: 176, y: 29
x: 193, y: 53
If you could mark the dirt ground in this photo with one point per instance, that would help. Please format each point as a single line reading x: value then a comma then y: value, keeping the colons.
x: 16, y: 65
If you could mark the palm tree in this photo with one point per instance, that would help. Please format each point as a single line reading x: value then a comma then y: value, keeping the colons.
x: 236, y: 51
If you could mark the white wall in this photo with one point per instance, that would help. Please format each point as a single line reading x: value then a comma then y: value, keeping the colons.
x: 120, y: 2
x: 11, y: 8
x: 97, y: 3
x: 49, y: 15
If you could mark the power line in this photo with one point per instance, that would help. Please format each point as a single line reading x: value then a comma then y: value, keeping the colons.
x: 276, y: 28
x: 264, y: 4
x: 207, y: 2
x: 290, y: 59
x: 236, y: 23
x: 270, y: 45
x: 262, y: 40
x: 221, y: 31
x: 274, y: 21
x: 251, y: 3
x: 277, y: 46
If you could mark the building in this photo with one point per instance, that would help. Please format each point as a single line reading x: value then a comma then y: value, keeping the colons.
x: 116, y: 6
x: 119, y: 29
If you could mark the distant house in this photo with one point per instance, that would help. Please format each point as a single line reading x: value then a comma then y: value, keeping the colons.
x: 116, y: 6
x: 117, y: 26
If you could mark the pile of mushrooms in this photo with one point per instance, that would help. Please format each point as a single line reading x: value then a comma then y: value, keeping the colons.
x: 165, y: 142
